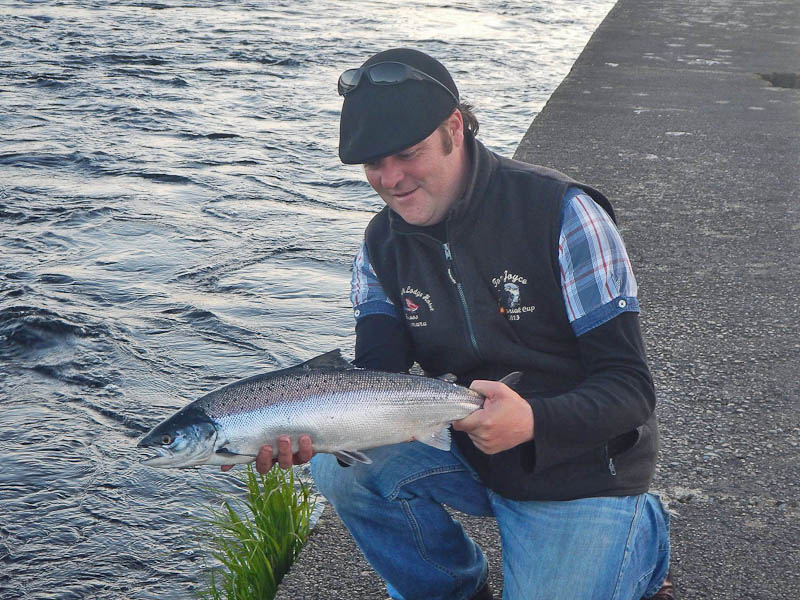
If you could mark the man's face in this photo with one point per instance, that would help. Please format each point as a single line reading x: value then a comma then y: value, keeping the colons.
x: 422, y: 182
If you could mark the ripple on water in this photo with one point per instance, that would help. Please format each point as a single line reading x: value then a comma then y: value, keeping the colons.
x: 37, y: 160
x: 31, y: 327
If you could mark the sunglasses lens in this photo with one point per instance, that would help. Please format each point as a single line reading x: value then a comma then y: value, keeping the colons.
x: 385, y: 73
x: 349, y: 80
x: 388, y: 73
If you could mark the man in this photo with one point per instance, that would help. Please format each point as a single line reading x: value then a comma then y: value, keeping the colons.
x: 479, y: 266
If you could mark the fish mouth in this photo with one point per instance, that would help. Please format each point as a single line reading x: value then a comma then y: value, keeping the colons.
x: 167, y: 458
x: 163, y: 457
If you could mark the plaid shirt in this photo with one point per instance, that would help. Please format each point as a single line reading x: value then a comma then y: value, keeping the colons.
x: 597, y: 282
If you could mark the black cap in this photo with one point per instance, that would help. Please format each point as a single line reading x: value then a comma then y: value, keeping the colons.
x: 379, y: 120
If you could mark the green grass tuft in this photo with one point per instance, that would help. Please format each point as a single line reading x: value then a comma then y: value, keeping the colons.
x: 257, y: 537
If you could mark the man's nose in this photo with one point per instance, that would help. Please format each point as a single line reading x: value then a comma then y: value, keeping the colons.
x: 391, y: 174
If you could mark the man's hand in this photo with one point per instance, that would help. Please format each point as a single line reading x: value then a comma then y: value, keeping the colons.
x: 286, y: 459
x: 505, y: 421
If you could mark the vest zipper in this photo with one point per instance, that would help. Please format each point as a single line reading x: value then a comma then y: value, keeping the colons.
x: 611, y: 467
x: 451, y: 272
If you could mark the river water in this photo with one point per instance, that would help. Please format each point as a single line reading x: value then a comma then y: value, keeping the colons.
x: 173, y: 216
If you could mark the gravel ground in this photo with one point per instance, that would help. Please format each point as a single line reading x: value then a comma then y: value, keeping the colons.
x: 670, y: 110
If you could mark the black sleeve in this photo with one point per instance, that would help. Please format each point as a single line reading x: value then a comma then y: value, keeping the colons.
x: 383, y: 343
x: 616, y: 397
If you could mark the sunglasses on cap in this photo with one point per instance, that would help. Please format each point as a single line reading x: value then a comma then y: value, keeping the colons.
x: 386, y: 73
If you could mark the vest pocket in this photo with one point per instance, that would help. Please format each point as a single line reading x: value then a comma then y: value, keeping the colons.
x: 624, y: 443
x: 618, y: 447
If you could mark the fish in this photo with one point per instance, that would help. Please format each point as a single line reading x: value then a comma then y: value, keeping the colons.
x: 345, y: 410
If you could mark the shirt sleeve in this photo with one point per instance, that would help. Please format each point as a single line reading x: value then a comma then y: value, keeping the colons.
x: 599, y: 292
x: 597, y: 281
x: 366, y: 293
x: 383, y: 341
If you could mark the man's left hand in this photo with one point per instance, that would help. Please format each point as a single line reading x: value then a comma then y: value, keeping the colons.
x: 285, y: 458
x: 505, y: 421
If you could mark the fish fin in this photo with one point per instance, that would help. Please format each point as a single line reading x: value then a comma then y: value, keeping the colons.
x: 440, y: 438
x: 225, y: 452
x: 351, y: 457
x: 329, y: 360
x: 512, y: 378
x: 448, y: 377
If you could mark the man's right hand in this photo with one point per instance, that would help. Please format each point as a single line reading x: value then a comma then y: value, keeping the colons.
x: 266, y: 456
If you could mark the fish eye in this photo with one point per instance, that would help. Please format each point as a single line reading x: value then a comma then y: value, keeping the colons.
x: 166, y: 439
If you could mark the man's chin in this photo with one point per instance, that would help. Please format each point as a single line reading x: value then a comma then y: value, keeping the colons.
x: 407, y: 212
x: 413, y: 218
x: 412, y: 211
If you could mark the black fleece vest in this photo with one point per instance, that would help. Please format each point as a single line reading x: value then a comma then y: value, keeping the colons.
x: 487, y: 301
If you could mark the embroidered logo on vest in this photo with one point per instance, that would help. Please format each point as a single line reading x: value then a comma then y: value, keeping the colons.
x: 510, y: 295
x: 417, y: 306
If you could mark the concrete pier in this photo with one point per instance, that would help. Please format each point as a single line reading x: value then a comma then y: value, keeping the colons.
x: 683, y: 112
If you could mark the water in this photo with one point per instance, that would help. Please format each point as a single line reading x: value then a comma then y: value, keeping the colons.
x: 173, y: 216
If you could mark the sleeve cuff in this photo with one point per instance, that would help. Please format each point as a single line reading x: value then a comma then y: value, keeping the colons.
x: 605, y: 313
x: 376, y: 307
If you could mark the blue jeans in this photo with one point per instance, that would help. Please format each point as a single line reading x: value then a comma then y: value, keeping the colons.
x: 612, y: 548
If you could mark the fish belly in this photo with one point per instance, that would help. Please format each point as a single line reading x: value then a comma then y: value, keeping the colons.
x: 336, y: 424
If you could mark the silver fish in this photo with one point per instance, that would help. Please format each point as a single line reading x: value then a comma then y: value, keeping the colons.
x: 343, y: 408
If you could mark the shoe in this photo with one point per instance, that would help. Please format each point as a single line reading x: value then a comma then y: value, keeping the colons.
x: 485, y: 593
x: 667, y: 591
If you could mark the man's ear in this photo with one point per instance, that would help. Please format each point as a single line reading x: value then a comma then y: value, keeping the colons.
x: 455, y: 123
